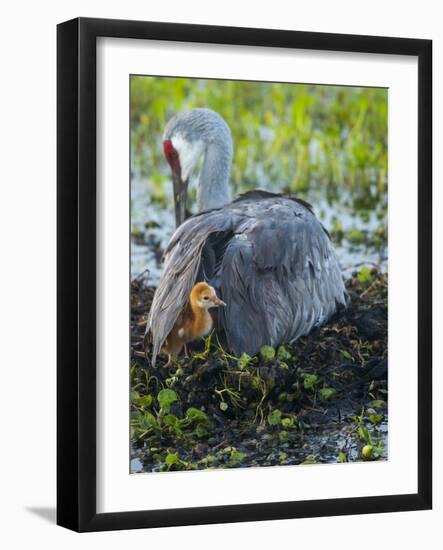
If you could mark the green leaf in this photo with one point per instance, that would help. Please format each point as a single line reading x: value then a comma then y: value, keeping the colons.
x: 171, y: 420
x: 355, y: 236
x: 375, y: 418
x: 346, y: 354
x: 367, y: 452
x: 365, y: 275
x: 135, y: 396
x: 310, y: 381
x: 274, y: 417
x: 287, y: 422
x: 243, y: 361
x: 236, y: 456
x: 196, y: 415
x: 145, y: 401
x: 342, y: 457
x: 326, y: 393
x: 166, y: 397
x: 267, y: 353
x: 377, y: 403
x: 208, y: 459
x: 223, y: 406
x: 363, y: 434
x: 201, y: 430
x: 171, y: 459
x: 147, y: 421
x: 283, y: 354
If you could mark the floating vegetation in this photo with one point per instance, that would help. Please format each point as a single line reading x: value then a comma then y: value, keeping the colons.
x: 321, y: 400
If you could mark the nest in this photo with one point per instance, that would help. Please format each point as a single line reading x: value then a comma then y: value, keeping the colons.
x: 323, y: 399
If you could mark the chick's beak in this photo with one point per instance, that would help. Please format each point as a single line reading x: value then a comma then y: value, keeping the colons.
x: 218, y: 302
x: 180, y: 197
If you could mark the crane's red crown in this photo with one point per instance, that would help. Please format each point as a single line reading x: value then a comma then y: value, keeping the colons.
x: 171, y: 156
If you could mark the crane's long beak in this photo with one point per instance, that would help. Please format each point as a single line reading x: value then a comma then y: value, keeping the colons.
x: 180, y: 197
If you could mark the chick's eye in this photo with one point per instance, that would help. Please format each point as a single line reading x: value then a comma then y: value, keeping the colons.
x: 206, y: 298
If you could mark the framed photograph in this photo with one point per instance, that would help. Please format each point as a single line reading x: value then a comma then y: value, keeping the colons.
x: 244, y: 274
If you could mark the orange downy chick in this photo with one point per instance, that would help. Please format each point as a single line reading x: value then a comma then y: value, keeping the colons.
x: 194, y: 321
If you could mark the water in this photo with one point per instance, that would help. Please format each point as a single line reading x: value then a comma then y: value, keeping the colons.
x: 136, y: 464
x: 151, y: 228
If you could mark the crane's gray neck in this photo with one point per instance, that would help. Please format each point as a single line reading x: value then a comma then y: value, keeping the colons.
x: 213, y: 187
x: 197, y: 132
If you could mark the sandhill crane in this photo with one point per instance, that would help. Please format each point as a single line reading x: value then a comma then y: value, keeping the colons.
x: 266, y: 255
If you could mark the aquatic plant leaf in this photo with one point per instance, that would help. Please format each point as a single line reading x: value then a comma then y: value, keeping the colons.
x: 196, y: 415
x: 363, y: 433
x: 145, y: 400
x: 377, y: 403
x: 326, y: 393
x: 166, y: 397
x: 171, y: 459
x: 283, y: 354
x: 355, y: 236
x: 375, y: 418
x: 274, y: 417
x: 310, y: 381
x: 287, y: 422
x: 367, y: 452
x: 236, y: 456
x: 244, y: 360
x: 365, y: 275
x: 171, y: 420
x: 267, y: 353
x: 201, y: 430
x: 134, y: 395
x: 147, y: 421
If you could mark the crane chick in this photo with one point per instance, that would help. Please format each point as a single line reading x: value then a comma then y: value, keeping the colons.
x: 195, y: 321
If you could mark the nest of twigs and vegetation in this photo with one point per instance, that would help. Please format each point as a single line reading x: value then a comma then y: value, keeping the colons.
x: 321, y: 400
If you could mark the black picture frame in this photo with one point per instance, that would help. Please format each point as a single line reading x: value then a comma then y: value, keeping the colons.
x: 76, y: 265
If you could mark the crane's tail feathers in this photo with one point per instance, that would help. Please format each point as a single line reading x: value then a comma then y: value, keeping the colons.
x: 146, y: 341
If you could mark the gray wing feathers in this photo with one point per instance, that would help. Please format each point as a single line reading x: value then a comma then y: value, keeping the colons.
x: 181, y: 265
x: 280, y: 278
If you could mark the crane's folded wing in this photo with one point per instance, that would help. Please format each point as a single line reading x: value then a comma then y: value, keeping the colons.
x: 279, y: 277
x: 182, y: 261
x: 271, y: 260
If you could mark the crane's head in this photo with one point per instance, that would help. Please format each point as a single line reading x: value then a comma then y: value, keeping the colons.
x: 186, y: 138
x: 182, y: 150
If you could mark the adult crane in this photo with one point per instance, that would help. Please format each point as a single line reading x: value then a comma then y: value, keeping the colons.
x: 267, y: 255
